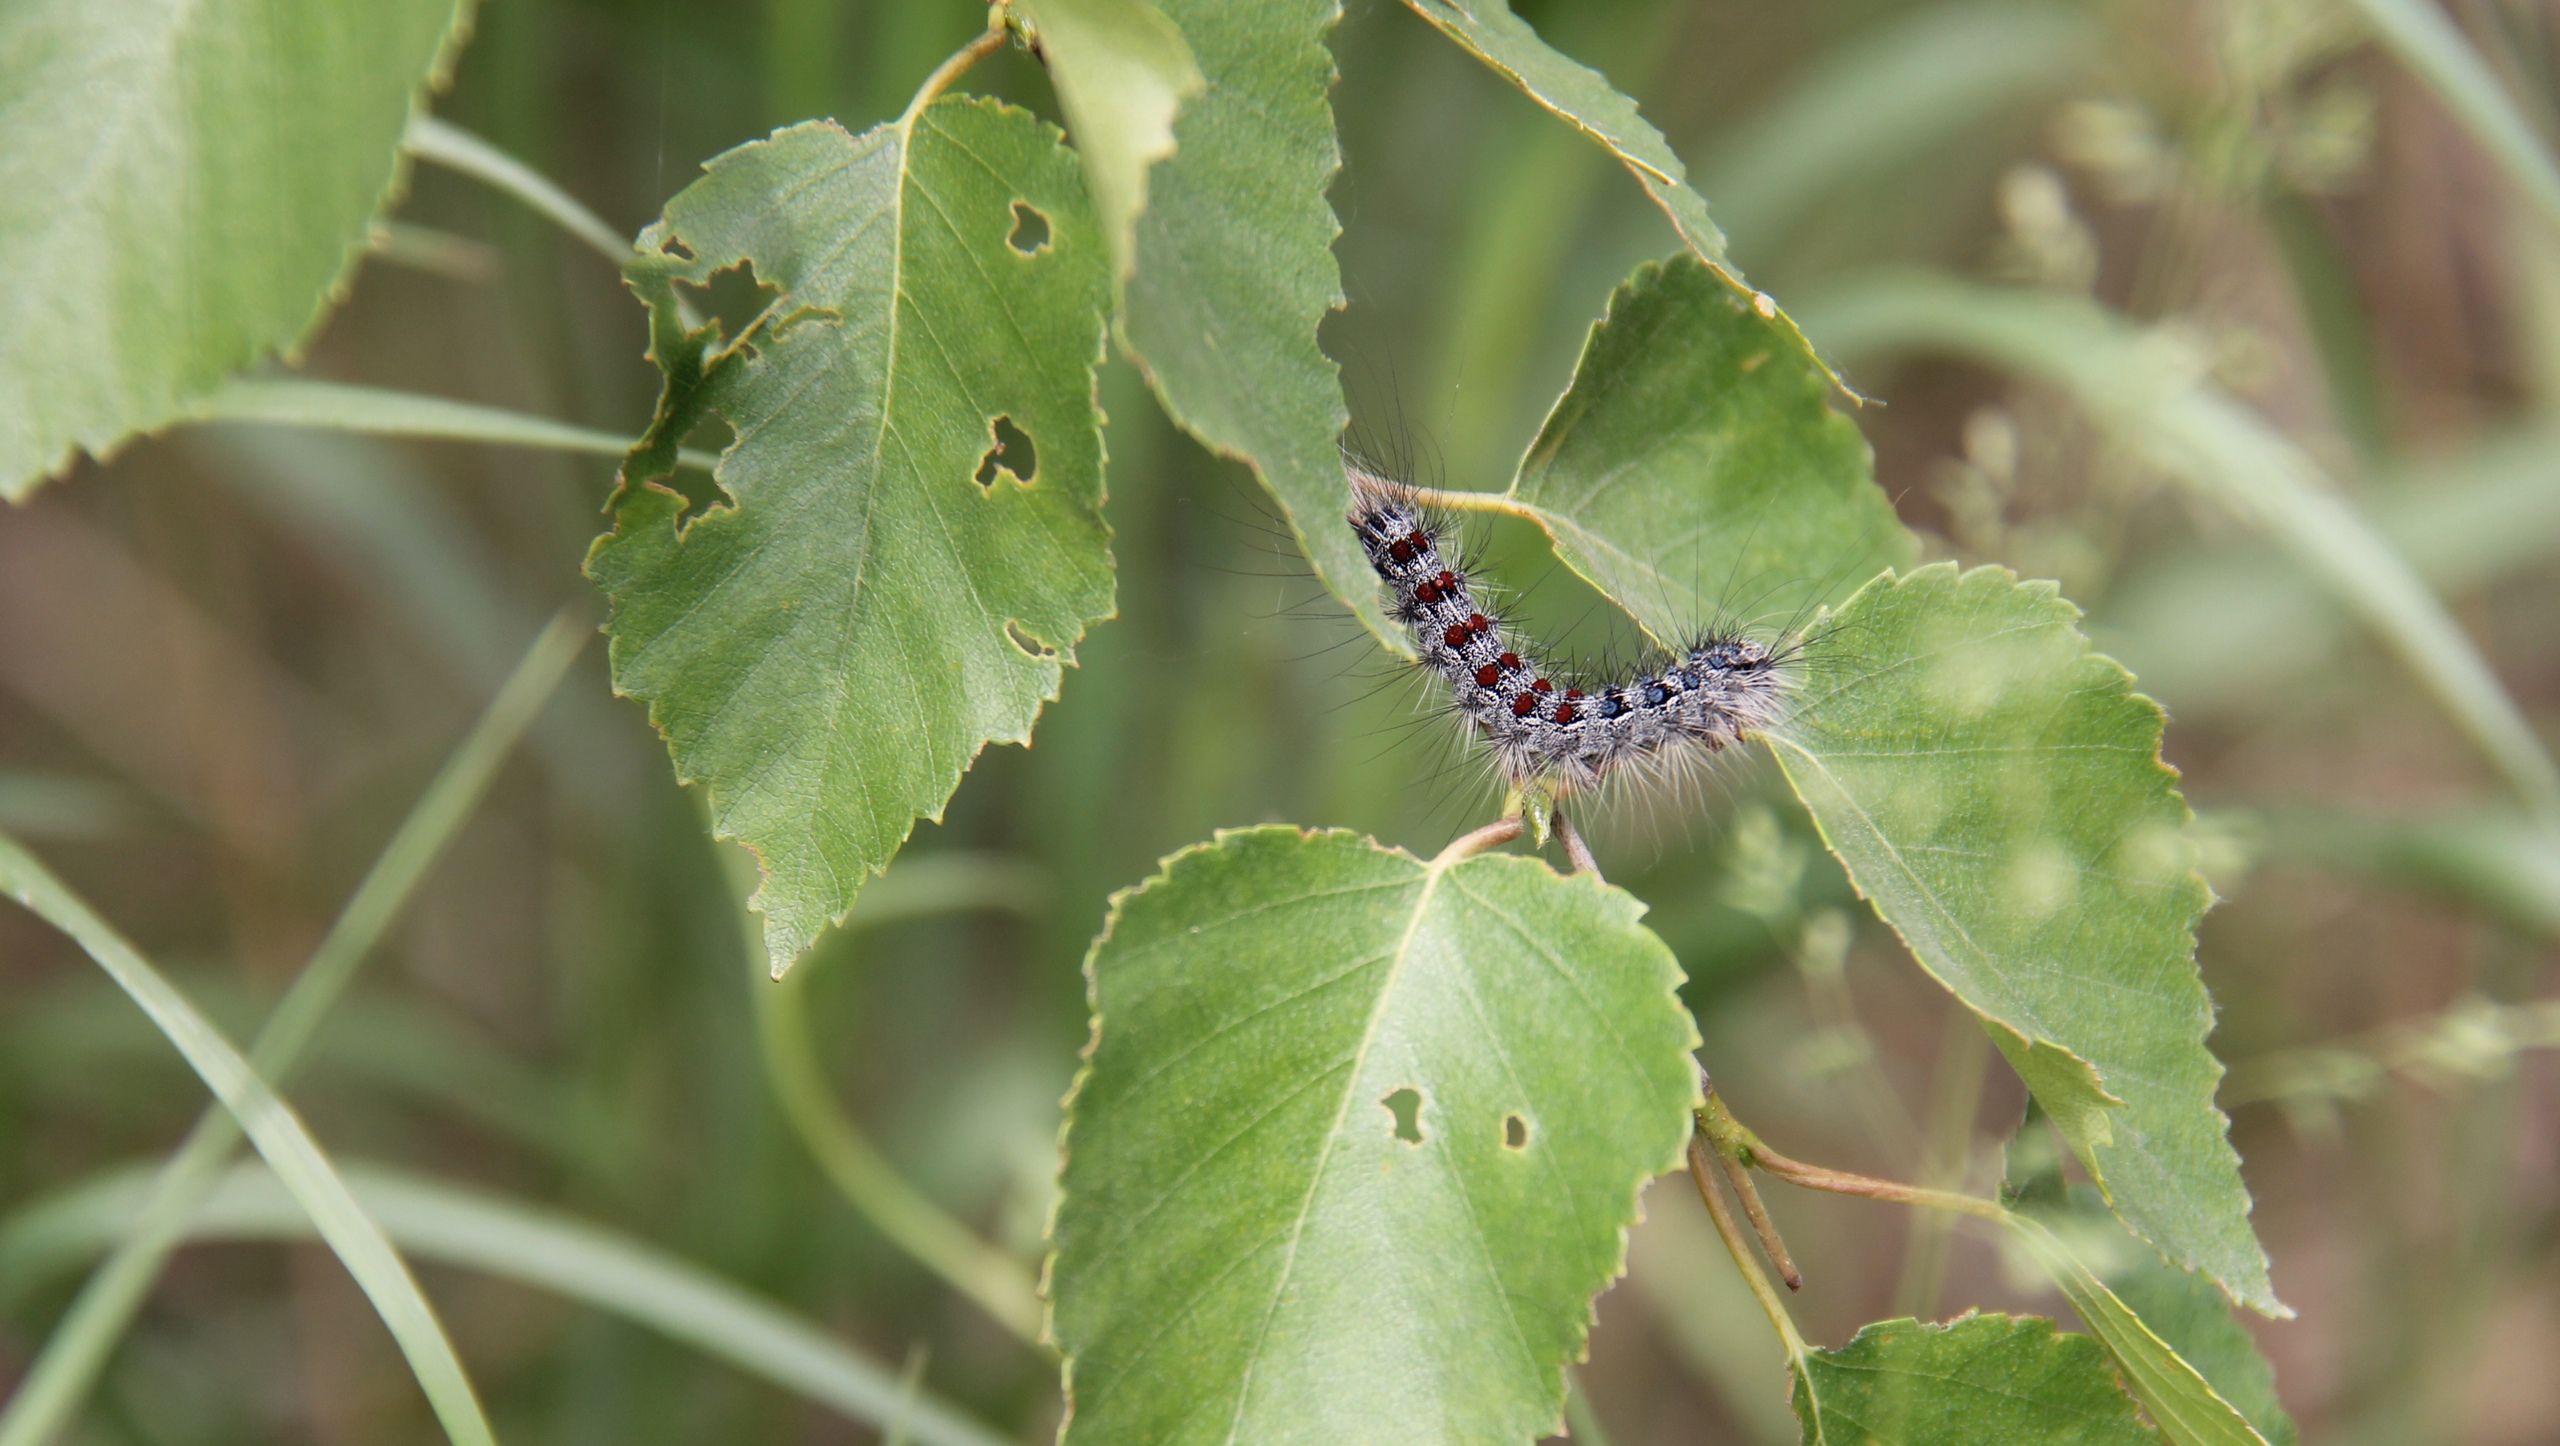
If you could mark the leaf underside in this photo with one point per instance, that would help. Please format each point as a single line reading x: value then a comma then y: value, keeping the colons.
x: 893, y: 581
x: 1358, y: 1141
x: 1995, y: 789
x: 1584, y: 99
x: 1695, y: 469
x: 1122, y: 73
x: 1235, y: 271
x: 184, y: 188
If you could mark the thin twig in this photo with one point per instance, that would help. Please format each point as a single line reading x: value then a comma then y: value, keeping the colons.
x: 1574, y: 848
x: 1441, y: 499
x: 1492, y: 836
x: 1761, y: 1224
x: 1743, y: 1260
x: 1735, y: 1140
x: 989, y: 41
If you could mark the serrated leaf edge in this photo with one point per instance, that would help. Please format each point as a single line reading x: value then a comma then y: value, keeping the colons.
x: 661, y: 435
x: 2048, y: 590
x: 1165, y: 868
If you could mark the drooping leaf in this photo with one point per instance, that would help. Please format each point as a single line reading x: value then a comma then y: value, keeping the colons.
x: 2179, y: 1400
x: 1695, y: 466
x: 184, y: 188
x: 1358, y: 1140
x: 2184, y: 1311
x: 1995, y: 790
x: 1235, y: 271
x: 1122, y: 73
x: 1584, y: 99
x: 1977, y: 1378
x: 912, y: 540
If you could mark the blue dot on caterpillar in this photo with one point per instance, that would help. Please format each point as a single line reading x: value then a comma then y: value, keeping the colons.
x: 1567, y: 736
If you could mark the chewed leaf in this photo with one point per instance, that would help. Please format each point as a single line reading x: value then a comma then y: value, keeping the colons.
x: 1995, y: 790
x: 1122, y: 72
x: 1235, y: 270
x: 1695, y: 465
x: 1978, y: 1378
x: 828, y: 646
x: 182, y: 188
x: 1584, y: 98
x: 1358, y: 1141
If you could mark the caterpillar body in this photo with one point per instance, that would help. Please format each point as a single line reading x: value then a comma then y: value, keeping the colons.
x: 1547, y: 726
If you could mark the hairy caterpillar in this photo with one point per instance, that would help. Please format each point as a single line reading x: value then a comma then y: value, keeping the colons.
x: 1548, y: 727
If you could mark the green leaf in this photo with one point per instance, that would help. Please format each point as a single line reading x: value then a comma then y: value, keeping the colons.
x: 885, y: 593
x: 1122, y: 73
x: 1236, y: 272
x: 1695, y: 464
x: 1977, y: 1378
x: 2190, y: 1317
x: 185, y: 189
x: 1584, y: 99
x: 282, y: 1141
x: 2180, y: 1402
x: 1358, y: 1140
x: 1995, y: 790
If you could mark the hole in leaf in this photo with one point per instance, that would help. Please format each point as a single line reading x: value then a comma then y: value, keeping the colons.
x: 1030, y: 229
x: 734, y: 296
x: 1405, y: 1103
x: 1031, y: 647
x: 1515, y: 1132
x: 1011, y: 453
x: 674, y: 246
x: 711, y: 433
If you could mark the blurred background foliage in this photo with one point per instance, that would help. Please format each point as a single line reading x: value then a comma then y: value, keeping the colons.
x: 230, y: 661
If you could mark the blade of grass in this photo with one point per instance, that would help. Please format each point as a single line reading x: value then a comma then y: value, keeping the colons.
x: 906, y: 1216
x: 2426, y: 40
x: 910, y: 1219
x: 2153, y: 401
x: 341, y: 407
x: 500, y: 1237
x: 2210, y: 627
x: 456, y: 149
x: 1886, y: 99
x: 78, y: 1349
x: 318, y: 1192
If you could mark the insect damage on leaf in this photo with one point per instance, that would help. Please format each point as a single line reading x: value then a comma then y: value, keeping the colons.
x: 911, y: 541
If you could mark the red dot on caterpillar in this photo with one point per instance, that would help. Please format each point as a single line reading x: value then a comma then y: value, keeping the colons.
x: 1708, y: 695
